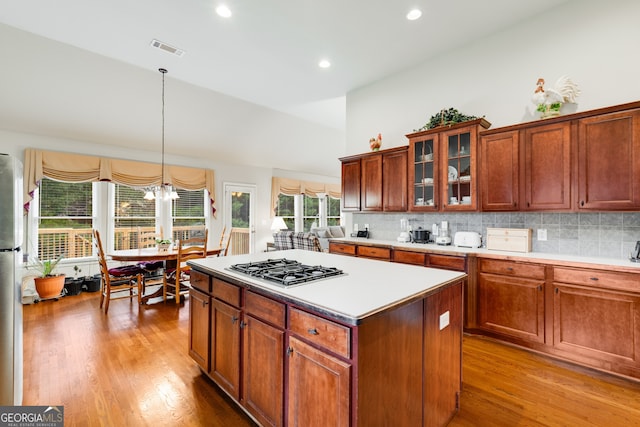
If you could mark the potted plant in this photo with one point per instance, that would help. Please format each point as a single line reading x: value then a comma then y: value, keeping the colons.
x: 163, y: 245
x: 48, y: 284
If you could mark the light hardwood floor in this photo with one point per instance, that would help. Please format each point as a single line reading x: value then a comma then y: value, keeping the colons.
x: 131, y: 368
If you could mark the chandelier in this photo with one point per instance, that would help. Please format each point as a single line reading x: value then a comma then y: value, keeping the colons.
x: 163, y: 191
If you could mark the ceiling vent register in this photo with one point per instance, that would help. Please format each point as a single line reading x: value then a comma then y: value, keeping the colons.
x: 167, y: 48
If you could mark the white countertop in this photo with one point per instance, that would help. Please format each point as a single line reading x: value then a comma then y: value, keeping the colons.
x: 528, y: 256
x: 368, y: 286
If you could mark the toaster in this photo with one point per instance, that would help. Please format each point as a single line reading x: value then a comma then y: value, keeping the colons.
x: 467, y: 239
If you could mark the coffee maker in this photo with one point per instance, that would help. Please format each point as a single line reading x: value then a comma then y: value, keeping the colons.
x: 443, y: 237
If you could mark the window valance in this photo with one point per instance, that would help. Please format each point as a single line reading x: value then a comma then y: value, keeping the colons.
x: 81, y: 168
x: 291, y: 187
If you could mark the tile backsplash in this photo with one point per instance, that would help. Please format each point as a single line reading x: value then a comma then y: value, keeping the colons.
x: 605, y: 234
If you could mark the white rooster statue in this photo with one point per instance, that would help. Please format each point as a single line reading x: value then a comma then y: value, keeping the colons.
x: 549, y: 101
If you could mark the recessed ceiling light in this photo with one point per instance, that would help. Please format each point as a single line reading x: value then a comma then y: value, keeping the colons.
x: 414, y: 14
x: 223, y: 11
x: 324, y: 64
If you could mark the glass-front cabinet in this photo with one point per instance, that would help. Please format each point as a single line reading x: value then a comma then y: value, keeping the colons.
x: 423, y: 173
x: 442, y: 167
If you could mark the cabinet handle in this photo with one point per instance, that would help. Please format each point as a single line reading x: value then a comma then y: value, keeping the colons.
x: 242, y: 324
x: 289, y: 351
x: 594, y: 279
x: 313, y: 331
x: 582, y: 203
x: 205, y: 303
x: 539, y: 287
x: 234, y: 319
x: 509, y: 268
x: 556, y: 290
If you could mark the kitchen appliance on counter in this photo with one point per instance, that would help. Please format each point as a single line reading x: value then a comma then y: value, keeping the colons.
x: 420, y: 235
x: 467, y: 239
x: 405, y: 235
x: 11, y: 233
x: 285, y: 272
x: 444, y: 238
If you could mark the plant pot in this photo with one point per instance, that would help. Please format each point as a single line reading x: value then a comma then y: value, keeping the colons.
x: 91, y: 283
x: 72, y: 286
x: 49, y: 286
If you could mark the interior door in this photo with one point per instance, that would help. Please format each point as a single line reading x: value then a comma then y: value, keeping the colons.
x: 239, y: 217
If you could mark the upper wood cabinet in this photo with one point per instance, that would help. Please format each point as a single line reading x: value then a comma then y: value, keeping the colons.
x: 609, y: 161
x: 581, y: 161
x: 350, y: 185
x: 442, y: 167
x: 499, y: 171
x: 547, y: 167
x: 375, y: 181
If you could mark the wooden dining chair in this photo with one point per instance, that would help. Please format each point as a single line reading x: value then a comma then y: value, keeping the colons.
x: 222, y: 236
x: 117, y: 283
x: 176, y: 282
x: 224, y: 244
x: 152, y: 269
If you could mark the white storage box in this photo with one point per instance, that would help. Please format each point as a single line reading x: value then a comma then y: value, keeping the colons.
x: 509, y: 239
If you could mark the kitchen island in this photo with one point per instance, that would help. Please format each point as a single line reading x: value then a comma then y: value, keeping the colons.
x: 377, y: 345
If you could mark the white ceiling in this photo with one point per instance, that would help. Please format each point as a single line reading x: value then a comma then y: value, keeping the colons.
x: 248, y: 88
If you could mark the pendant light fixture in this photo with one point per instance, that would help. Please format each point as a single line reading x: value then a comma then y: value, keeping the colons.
x: 163, y: 191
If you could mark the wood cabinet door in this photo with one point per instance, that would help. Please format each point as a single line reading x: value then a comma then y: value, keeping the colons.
x: 597, y: 324
x: 394, y: 177
x: 199, y: 324
x: 423, y: 168
x: 547, y: 167
x: 350, y: 185
x: 371, y: 183
x: 511, y: 306
x: 609, y: 161
x: 319, y: 390
x: 263, y: 371
x: 225, y: 347
x: 458, y: 175
x: 499, y: 160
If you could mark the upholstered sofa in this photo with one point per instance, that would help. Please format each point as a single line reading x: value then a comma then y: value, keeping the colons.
x: 326, y: 233
x: 283, y: 240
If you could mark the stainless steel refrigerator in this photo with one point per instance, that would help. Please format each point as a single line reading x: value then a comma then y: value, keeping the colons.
x: 11, y: 241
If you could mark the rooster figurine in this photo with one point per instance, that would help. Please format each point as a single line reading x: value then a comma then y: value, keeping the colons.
x: 549, y: 101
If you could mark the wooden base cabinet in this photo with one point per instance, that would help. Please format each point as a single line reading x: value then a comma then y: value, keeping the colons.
x: 286, y: 365
x: 200, y: 315
x: 511, y: 299
x: 596, y: 318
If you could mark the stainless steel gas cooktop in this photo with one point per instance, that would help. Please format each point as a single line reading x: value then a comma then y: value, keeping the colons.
x: 285, y: 272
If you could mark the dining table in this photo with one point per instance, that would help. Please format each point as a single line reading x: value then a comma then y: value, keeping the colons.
x: 169, y: 257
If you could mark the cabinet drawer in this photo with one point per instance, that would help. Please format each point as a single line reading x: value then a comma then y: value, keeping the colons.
x: 226, y: 292
x: 200, y: 281
x: 447, y: 262
x: 408, y: 257
x: 342, y: 248
x: 374, y: 252
x: 265, y: 308
x: 597, y: 278
x: 511, y: 268
x: 330, y: 335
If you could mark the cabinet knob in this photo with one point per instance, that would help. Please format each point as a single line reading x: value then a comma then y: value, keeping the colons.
x: 242, y: 324
x: 582, y: 203
x: 234, y: 319
x: 539, y: 287
x: 289, y: 351
x: 313, y: 331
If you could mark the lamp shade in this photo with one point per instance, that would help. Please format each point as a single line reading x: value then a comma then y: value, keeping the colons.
x: 278, y: 224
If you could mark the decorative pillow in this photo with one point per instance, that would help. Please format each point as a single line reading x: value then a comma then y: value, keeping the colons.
x: 336, y: 231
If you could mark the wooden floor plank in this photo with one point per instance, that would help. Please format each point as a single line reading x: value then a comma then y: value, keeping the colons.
x: 131, y: 368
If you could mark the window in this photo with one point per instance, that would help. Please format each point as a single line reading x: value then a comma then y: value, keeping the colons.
x: 286, y: 209
x: 131, y: 214
x: 333, y: 211
x: 188, y: 214
x: 300, y: 212
x: 311, y: 209
x: 64, y: 218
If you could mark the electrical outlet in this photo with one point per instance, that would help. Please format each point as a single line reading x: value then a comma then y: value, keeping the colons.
x: 366, y: 226
x: 542, y: 234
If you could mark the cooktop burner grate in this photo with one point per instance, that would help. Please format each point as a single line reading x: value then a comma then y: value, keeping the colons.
x: 285, y: 272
